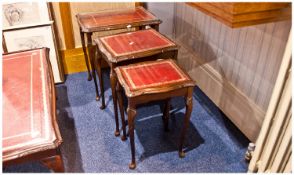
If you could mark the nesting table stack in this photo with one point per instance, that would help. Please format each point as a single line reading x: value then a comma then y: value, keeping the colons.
x: 142, y: 63
x: 107, y: 21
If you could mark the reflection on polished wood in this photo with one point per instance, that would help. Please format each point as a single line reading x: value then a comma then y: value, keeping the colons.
x: 119, y: 19
x: 245, y: 14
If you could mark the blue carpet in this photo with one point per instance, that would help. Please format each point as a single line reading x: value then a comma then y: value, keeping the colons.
x: 213, y: 144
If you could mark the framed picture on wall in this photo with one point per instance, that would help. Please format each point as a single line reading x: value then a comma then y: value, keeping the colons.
x: 35, y: 37
x: 21, y: 14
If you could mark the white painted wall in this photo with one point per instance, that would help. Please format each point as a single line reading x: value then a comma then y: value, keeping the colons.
x: 165, y: 12
x: 236, y: 68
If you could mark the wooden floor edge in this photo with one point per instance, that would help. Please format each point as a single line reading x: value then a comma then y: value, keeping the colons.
x: 74, y: 61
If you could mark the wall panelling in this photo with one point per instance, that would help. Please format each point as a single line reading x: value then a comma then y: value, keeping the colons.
x: 236, y: 68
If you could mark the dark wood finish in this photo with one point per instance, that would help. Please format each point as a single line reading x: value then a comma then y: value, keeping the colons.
x: 49, y: 154
x: 85, y: 52
x: 67, y: 27
x: 55, y: 163
x: 112, y: 21
x: 91, y: 52
x: 245, y: 14
x: 98, y: 60
x: 165, y: 116
x: 51, y: 158
x: 106, y: 52
x: 118, y: 19
x: 153, y: 93
x: 112, y: 85
x: 121, y: 109
x: 4, y: 48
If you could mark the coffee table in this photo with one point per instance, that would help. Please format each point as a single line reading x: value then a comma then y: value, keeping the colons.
x: 110, y: 20
x: 152, y: 81
x: 130, y: 47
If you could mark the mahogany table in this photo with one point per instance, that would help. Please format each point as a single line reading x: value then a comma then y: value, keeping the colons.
x: 152, y: 81
x: 130, y: 47
x: 30, y: 129
x: 111, y: 20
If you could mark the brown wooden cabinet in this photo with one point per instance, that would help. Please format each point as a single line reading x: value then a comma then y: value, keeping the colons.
x: 245, y: 14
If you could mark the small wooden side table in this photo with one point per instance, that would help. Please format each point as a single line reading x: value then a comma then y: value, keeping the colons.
x: 127, y: 48
x: 110, y: 20
x: 151, y: 81
x: 30, y: 129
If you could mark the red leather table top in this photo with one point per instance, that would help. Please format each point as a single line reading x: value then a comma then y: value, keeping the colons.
x: 27, y: 112
x: 94, y: 22
x: 152, y: 74
x: 127, y: 45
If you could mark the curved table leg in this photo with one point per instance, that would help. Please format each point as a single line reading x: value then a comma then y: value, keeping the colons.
x: 99, y: 72
x: 166, y: 114
x: 186, y: 121
x: 131, y: 119
x: 91, y: 56
x: 121, y: 110
x: 113, y: 85
x: 85, y: 54
x: 155, y: 26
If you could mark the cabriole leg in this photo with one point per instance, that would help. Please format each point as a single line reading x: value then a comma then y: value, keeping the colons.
x: 91, y: 56
x: 99, y: 72
x: 121, y: 109
x: 85, y: 54
x: 166, y: 114
x: 186, y: 121
x: 113, y: 85
x: 131, y: 120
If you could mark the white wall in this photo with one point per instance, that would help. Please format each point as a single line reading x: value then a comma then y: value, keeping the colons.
x: 165, y: 12
x: 236, y: 68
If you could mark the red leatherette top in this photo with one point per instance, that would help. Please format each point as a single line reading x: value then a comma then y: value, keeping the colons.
x: 27, y: 116
x: 135, y: 42
x: 152, y: 74
x: 94, y: 22
x: 130, y: 45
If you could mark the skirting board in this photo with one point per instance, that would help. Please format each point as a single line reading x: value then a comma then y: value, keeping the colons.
x: 74, y: 61
x: 241, y: 110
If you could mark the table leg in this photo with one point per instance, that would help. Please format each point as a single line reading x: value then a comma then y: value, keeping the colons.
x: 99, y: 71
x: 131, y: 119
x: 121, y: 110
x: 85, y: 54
x: 156, y: 27
x: 91, y: 56
x: 55, y: 162
x: 166, y: 114
x: 175, y: 56
x: 113, y: 85
x: 186, y: 121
